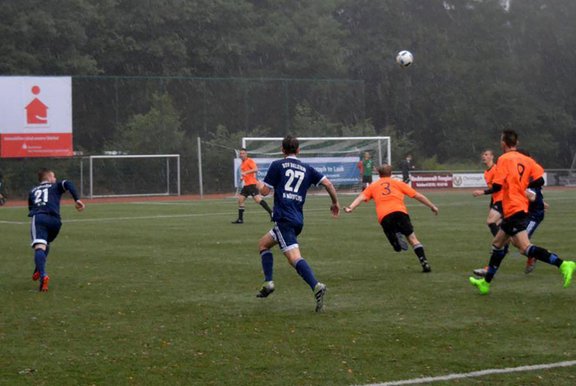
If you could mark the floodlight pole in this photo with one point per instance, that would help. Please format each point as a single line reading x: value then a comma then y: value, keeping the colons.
x: 200, y: 167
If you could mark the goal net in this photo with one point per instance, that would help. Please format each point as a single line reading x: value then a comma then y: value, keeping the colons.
x: 130, y: 175
x: 335, y: 157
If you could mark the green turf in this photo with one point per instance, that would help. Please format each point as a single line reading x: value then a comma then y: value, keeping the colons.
x: 164, y: 293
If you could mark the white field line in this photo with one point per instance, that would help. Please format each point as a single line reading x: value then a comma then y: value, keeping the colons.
x: 112, y: 219
x: 152, y: 217
x: 474, y: 374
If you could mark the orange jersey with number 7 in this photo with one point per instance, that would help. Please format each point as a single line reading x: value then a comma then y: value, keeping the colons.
x: 388, y: 195
x: 514, y: 172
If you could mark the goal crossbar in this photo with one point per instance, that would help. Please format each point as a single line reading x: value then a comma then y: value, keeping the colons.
x: 340, y: 139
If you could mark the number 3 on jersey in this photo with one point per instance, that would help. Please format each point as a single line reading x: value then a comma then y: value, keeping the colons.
x: 295, y: 179
x: 41, y: 196
x: 386, y: 187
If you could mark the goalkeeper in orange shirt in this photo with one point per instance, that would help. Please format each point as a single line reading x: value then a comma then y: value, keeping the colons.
x: 388, y: 195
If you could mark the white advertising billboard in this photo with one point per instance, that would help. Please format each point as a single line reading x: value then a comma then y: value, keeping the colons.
x: 35, y: 116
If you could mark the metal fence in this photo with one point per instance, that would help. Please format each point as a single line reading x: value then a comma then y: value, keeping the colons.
x: 121, y: 115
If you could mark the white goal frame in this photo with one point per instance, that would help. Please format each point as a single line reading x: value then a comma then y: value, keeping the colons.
x: 377, y: 139
x: 91, y: 158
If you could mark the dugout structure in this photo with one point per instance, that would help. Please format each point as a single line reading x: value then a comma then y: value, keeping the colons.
x: 336, y: 157
x: 130, y: 175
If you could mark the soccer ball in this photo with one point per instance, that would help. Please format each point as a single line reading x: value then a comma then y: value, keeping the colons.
x: 404, y: 58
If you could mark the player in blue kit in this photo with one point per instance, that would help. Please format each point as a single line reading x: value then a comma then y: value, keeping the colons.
x: 44, y: 208
x: 290, y: 179
x: 536, y: 211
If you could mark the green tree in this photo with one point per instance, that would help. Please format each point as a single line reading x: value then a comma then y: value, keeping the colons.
x: 157, y: 131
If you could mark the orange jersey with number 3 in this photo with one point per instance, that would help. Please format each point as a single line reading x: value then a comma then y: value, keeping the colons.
x: 489, y: 175
x: 514, y: 173
x: 248, y: 164
x: 388, y: 195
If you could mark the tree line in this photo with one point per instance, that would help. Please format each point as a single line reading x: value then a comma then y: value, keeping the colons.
x: 480, y: 66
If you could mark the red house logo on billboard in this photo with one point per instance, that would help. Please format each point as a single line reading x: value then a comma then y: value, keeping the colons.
x: 36, y: 111
x: 35, y: 117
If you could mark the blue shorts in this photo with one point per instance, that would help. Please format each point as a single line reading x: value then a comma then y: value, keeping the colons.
x: 44, y: 229
x: 286, y: 235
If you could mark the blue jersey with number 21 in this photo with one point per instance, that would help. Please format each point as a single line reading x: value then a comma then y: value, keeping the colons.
x: 290, y: 178
x: 45, y: 198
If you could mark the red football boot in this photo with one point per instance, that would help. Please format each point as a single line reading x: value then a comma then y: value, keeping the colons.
x: 44, y: 283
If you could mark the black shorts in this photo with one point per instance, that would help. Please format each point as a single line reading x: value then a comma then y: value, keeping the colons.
x: 497, y: 206
x: 516, y: 223
x: 367, y: 179
x: 396, y: 222
x: 250, y: 190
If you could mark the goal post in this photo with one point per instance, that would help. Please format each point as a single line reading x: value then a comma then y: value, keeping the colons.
x: 335, y: 157
x: 130, y: 175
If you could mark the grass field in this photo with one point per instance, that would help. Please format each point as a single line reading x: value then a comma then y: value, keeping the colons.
x: 164, y: 293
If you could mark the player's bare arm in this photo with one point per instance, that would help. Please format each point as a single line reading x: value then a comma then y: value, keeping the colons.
x: 357, y: 201
x: 263, y: 188
x: 424, y: 200
x: 335, y: 207
x: 79, y: 205
x: 478, y: 193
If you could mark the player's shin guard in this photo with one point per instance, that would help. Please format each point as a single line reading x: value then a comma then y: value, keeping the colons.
x: 306, y: 273
x: 493, y: 228
x: 495, y: 261
x: 241, y: 213
x: 267, y: 264
x: 40, y: 260
x: 266, y: 207
x: 543, y: 255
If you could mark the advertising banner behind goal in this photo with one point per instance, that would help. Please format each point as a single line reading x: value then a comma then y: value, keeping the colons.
x: 340, y: 170
x: 35, y: 117
x: 338, y: 158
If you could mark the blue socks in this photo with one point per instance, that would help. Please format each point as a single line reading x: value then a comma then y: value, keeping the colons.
x: 544, y: 255
x: 40, y: 260
x: 305, y: 271
x: 301, y: 267
x: 267, y: 264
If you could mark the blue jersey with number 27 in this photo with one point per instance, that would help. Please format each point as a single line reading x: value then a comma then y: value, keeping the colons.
x: 290, y: 178
x: 45, y: 198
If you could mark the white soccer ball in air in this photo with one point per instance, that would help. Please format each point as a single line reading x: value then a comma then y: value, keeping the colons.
x: 404, y: 58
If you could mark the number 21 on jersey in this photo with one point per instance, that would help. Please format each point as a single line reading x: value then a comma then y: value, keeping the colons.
x: 41, y: 196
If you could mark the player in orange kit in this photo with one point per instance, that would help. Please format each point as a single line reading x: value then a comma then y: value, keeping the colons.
x: 515, y: 174
x: 495, y: 212
x: 388, y: 195
x: 248, y: 170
